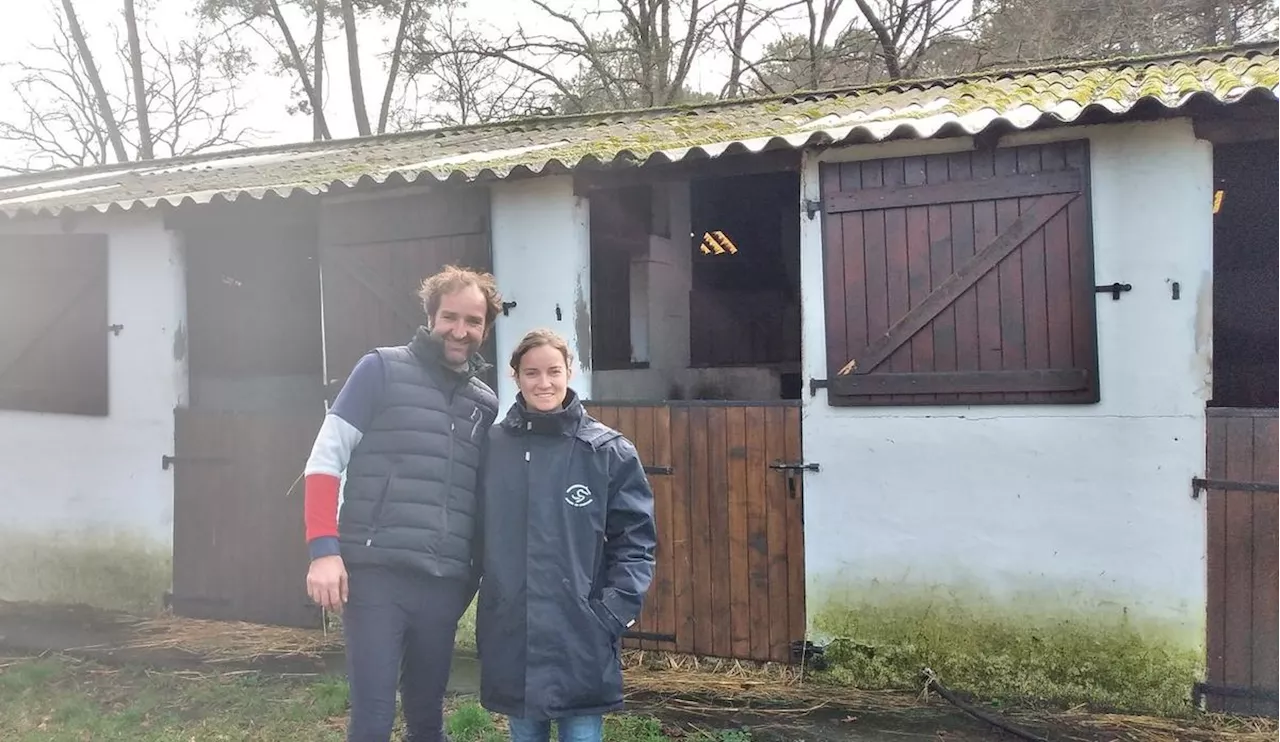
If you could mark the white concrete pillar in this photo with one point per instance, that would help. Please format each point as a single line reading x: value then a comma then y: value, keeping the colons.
x: 541, y: 237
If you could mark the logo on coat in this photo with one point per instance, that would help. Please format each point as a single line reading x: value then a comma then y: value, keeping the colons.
x: 578, y: 495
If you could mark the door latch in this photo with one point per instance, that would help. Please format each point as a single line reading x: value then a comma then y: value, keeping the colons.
x: 792, y: 469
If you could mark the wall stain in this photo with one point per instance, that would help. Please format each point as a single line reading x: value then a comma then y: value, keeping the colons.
x: 1045, y: 648
x: 582, y: 325
x: 180, y: 342
x: 121, y: 572
x: 1202, y: 363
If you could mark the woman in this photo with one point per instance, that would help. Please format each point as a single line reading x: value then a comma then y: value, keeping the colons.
x: 567, y: 553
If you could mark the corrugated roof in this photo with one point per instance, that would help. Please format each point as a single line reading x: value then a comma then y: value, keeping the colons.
x: 919, y: 109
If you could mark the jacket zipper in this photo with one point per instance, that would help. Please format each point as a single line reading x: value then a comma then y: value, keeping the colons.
x: 375, y: 520
x: 448, y: 476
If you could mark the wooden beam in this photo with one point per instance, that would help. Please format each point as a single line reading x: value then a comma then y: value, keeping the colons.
x: 959, y: 191
x: 961, y: 382
x: 585, y: 181
x: 942, y: 297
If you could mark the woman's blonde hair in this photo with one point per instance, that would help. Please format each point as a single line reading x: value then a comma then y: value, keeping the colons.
x: 537, y: 339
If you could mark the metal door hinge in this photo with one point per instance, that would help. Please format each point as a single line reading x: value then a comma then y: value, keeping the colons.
x: 812, y: 207
x: 816, y: 384
x: 1199, y: 485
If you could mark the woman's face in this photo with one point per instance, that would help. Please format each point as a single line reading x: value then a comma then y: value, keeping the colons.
x: 543, y: 378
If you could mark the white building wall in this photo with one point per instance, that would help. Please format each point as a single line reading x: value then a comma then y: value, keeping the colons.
x: 88, y: 510
x: 1056, y: 509
x: 541, y: 244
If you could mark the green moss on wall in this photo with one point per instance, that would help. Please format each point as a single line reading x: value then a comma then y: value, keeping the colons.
x: 1030, y: 650
x: 117, y: 572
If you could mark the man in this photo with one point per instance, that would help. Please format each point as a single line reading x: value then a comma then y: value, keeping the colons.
x: 410, y: 429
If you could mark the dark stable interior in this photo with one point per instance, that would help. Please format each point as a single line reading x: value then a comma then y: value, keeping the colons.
x: 745, y: 307
x: 1245, y: 285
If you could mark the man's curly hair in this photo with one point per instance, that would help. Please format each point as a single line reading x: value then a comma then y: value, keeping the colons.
x: 453, y: 278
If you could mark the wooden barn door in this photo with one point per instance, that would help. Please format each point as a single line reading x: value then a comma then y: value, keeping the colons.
x: 373, y: 258
x: 730, y: 575
x: 960, y: 279
x: 1240, y: 485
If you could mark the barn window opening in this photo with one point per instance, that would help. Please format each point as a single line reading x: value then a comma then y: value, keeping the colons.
x: 745, y: 294
x: 1245, y: 285
x: 695, y: 286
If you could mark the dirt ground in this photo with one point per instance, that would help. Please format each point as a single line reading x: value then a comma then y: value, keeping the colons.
x: 686, y: 700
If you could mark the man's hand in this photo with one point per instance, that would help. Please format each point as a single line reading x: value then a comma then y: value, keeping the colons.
x: 327, y: 582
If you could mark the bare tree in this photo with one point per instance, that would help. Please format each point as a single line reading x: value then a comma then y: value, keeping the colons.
x: 188, y: 96
x: 464, y: 84
x: 90, y: 68
x: 746, y: 18
x: 638, y: 53
x: 1043, y: 30
x: 353, y: 67
x: 145, y: 149
x: 252, y: 14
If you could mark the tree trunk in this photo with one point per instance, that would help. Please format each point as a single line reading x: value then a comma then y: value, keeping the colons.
x: 353, y: 68
x: 145, y: 145
x: 319, y: 127
x: 99, y: 92
x: 385, y: 112
x: 312, y: 92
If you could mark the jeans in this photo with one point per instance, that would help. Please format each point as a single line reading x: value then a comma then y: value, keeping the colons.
x: 572, y: 729
x: 399, y: 628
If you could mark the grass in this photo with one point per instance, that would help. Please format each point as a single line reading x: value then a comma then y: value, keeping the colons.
x: 56, y: 699
x: 1013, y: 660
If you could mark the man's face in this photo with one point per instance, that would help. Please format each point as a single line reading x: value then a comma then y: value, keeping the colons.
x: 459, y: 322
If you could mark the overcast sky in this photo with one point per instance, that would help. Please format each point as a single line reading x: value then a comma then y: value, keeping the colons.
x: 264, y: 96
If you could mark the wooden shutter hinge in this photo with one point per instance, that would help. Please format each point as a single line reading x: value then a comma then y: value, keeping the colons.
x: 816, y: 384
x: 812, y: 207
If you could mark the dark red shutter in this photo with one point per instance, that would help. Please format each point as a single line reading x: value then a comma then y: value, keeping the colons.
x: 53, y: 324
x: 961, y: 279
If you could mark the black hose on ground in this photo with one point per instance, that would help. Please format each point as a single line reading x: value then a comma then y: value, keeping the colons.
x: 931, y: 681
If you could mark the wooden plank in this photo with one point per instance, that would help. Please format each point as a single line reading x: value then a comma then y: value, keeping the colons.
x: 987, y: 288
x: 919, y: 278
x: 940, y: 266
x: 739, y: 606
x: 795, y: 533
x: 1266, y: 570
x: 965, y: 307
x: 683, y: 568
x: 1042, y: 380
x: 876, y: 312
x: 1026, y: 185
x: 1035, y: 310
x: 758, y: 473
x: 896, y: 270
x: 839, y: 259
x: 718, y: 495
x: 779, y: 572
x: 664, y: 514
x: 700, y: 485
x: 1083, y: 299
x: 984, y: 261
x: 1215, y: 555
x: 1009, y: 271
x: 641, y: 436
x: 1238, y: 655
